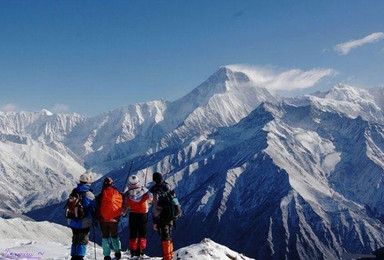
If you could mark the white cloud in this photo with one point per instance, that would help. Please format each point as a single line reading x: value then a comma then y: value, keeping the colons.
x: 346, y: 47
x: 8, y: 107
x: 60, y: 108
x: 294, y: 79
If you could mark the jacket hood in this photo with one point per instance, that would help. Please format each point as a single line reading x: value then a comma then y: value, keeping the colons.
x: 81, y: 187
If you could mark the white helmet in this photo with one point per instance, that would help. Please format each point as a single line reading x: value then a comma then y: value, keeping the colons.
x: 86, y: 178
x: 134, y: 180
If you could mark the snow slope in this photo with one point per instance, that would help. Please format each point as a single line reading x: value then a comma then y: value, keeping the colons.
x: 43, y: 240
x: 33, y: 174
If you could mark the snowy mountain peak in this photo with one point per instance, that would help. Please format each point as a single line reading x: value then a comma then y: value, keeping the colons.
x: 343, y: 92
x: 231, y: 74
x: 45, y: 112
x: 347, y: 100
x: 220, y: 82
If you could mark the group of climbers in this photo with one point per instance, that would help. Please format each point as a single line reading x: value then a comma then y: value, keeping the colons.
x: 83, y: 209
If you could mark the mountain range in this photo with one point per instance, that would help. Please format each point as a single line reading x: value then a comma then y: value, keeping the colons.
x: 271, y: 177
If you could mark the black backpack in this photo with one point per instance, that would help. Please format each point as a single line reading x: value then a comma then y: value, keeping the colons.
x: 171, y: 209
x: 74, y: 208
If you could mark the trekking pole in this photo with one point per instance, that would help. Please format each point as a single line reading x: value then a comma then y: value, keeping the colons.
x: 129, y: 172
x: 166, y: 175
x: 146, y: 174
x: 94, y: 239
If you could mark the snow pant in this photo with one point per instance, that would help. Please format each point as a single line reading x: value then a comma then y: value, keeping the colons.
x: 137, y: 233
x: 166, y: 241
x: 109, y: 231
x: 80, y: 238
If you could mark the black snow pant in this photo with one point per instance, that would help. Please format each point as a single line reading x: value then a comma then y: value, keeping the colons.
x: 80, y: 236
x: 165, y: 231
x: 138, y: 225
x: 80, y: 240
x: 109, y: 229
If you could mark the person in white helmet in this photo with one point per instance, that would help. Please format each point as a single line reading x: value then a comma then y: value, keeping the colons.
x: 137, y: 200
x: 81, y: 227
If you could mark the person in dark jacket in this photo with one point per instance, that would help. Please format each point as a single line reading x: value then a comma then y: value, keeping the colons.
x: 109, y: 203
x: 163, y: 227
x: 81, y: 227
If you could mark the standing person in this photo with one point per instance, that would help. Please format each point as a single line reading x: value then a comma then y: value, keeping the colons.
x: 166, y: 209
x: 81, y: 207
x: 110, y: 202
x: 137, y: 199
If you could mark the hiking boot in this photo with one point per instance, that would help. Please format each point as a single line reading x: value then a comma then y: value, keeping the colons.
x: 107, y: 257
x: 135, y: 253
x: 77, y: 257
x: 167, y: 247
x: 118, y: 255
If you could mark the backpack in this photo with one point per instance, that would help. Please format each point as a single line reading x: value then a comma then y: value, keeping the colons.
x: 111, y: 203
x: 171, y: 209
x: 74, y: 208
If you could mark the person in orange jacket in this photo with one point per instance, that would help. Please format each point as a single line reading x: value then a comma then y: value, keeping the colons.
x: 137, y: 200
x: 110, y: 202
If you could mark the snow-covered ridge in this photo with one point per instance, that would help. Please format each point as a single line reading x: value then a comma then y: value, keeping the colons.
x: 35, y: 231
x: 349, y: 101
x: 207, y: 250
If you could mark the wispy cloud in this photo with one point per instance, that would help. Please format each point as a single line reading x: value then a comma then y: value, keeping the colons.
x: 273, y: 80
x: 8, y: 107
x: 238, y: 14
x: 346, y: 47
x: 60, y: 108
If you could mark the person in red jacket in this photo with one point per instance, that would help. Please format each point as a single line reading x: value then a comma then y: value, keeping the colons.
x: 137, y: 200
x: 110, y: 202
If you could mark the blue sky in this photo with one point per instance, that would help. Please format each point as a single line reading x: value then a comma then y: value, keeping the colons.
x: 93, y: 56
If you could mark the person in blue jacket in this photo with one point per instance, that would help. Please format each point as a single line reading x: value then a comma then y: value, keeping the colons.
x: 81, y: 227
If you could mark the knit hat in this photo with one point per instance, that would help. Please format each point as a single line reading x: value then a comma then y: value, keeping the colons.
x: 85, y: 178
x: 157, y: 177
x: 107, y: 182
x: 134, y: 182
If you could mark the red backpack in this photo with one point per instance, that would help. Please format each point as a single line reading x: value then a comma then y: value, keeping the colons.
x: 111, y: 203
x: 74, y: 208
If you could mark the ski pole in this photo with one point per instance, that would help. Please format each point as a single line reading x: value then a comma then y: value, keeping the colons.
x: 129, y: 172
